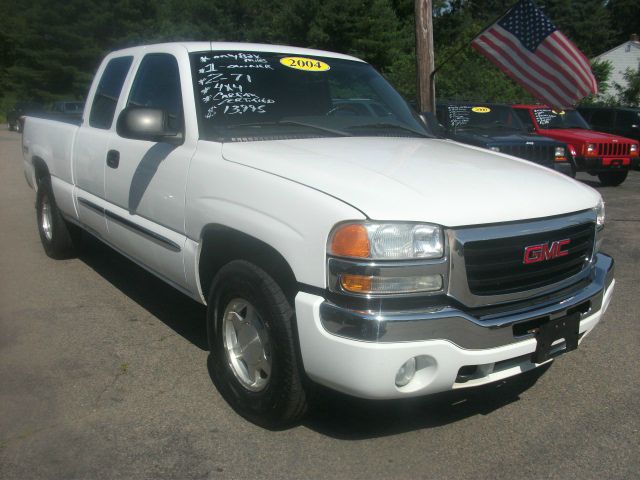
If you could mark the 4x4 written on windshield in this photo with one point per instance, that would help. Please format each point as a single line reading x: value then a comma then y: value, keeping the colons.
x: 253, y: 95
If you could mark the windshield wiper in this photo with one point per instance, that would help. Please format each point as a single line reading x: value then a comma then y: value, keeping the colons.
x: 292, y: 122
x: 390, y: 125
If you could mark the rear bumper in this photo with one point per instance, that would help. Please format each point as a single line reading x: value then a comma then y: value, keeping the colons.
x: 359, y: 353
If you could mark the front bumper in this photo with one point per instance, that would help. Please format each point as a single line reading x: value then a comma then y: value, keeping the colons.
x: 564, y: 167
x: 359, y: 353
x: 603, y: 164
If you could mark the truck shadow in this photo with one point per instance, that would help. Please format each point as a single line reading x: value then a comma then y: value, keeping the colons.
x: 184, y: 316
x: 347, y: 418
x: 330, y: 413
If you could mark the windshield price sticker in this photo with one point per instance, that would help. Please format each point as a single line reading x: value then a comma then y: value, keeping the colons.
x: 481, y: 109
x: 306, y: 64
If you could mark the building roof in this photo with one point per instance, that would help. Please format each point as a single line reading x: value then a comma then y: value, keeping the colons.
x: 633, y: 42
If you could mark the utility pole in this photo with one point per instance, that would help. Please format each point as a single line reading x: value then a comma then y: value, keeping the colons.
x: 424, y: 56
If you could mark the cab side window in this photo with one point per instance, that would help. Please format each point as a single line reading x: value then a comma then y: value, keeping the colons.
x: 157, y: 85
x: 108, y: 92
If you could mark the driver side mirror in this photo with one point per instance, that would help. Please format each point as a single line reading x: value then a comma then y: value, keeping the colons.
x: 151, y: 124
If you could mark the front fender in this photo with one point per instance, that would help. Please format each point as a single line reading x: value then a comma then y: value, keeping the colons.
x: 292, y: 218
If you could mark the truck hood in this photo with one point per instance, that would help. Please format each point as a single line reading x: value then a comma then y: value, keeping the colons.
x: 415, y: 179
x: 579, y: 136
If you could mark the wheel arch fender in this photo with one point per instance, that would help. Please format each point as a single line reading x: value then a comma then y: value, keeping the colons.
x: 220, y: 244
x: 40, y: 170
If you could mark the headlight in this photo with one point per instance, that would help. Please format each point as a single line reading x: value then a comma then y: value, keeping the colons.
x: 386, y: 241
x: 634, y: 148
x: 494, y: 149
x: 591, y: 148
x: 600, y: 215
x: 374, y: 259
x: 560, y: 154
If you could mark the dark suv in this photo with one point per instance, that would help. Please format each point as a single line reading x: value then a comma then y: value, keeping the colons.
x: 497, y: 128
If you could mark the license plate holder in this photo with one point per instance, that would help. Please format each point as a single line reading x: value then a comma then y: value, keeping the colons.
x: 566, y: 328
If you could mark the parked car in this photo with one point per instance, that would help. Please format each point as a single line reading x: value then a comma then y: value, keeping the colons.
x: 72, y: 108
x: 497, y: 128
x: 622, y: 121
x: 357, y: 253
x: 19, y: 110
x: 602, y: 154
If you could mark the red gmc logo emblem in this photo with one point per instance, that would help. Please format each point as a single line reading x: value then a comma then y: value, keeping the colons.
x: 544, y: 251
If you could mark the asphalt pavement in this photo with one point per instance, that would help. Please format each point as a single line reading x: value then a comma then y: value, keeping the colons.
x: 103, y: 375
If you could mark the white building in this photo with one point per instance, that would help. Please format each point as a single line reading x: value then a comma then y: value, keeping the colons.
x: 621, y: 58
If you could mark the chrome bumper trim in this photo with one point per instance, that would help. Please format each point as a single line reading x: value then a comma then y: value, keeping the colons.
x: 458, y: 327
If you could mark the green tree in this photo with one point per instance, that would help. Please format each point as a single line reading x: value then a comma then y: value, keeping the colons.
x: 625, y: 20
x: 629, y: 94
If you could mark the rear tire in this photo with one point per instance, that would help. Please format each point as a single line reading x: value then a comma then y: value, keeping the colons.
x: 253, y: 350
x: 612, y: 179
x: 59, y: 238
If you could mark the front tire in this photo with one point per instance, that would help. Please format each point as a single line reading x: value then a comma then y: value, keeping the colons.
x: 612, y: 179
x: 59, y: 238
x: 253, y: 357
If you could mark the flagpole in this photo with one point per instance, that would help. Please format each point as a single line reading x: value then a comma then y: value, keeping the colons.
x: 424, y: 55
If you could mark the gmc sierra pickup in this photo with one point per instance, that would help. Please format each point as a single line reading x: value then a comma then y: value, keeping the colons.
x: 330, y: 244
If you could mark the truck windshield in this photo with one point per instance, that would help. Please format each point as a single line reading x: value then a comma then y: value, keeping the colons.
x: 551, y: 119
x: 249, y: 96
x: 483, y: 117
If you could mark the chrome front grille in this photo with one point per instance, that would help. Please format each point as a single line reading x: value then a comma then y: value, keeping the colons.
x: 487, y: 262
x: 496, y: 267
x: 543, y: 154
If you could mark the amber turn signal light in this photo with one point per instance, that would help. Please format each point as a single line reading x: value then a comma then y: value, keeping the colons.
x: 350, y: 240
x: 356, y: 283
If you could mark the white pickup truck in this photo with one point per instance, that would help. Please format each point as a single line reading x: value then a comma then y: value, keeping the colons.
x: 332, y: 237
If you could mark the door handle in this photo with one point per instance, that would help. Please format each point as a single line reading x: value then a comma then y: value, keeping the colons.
x: 113, y: 158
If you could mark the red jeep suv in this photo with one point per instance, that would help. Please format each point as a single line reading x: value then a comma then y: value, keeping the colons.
x: 602, y: 154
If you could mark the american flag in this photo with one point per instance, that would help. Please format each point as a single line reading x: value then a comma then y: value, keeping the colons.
x: 526, y: 46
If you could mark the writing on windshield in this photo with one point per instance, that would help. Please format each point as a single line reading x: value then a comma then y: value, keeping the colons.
x: 478, y: 116
x: 226, y: 82
x: 262, y: 95
x: 547, y: 118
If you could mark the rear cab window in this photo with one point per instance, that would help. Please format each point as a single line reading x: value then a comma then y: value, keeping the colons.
x: 108, y: 92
